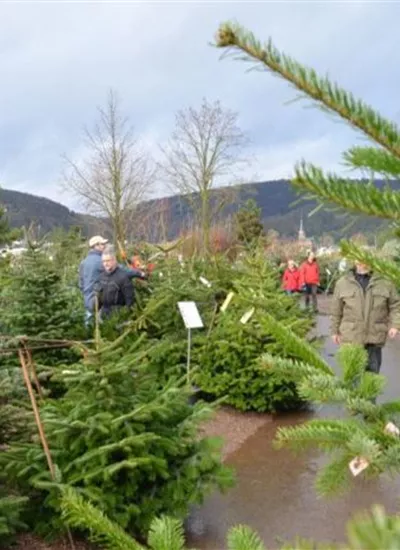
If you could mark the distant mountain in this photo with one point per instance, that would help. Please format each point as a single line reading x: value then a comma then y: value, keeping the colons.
x: 24, y: 209
x: 281, y: 209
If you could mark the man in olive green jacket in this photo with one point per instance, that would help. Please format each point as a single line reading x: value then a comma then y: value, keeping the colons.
x: 365, y: 311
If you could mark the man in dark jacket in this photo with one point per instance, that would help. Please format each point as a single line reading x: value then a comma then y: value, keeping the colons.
x: 114, y: 289
x: 91, y: 269
x: 365, y: 311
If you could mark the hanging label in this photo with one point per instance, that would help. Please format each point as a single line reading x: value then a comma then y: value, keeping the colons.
x: 205, y: 282
x: 227, y: 301
x: 358, y: 465
x: 391, y: 429
x: 247, y: 316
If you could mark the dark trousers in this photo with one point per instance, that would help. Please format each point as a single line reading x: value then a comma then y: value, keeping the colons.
x: 374, y: 358
x: 311, y: 295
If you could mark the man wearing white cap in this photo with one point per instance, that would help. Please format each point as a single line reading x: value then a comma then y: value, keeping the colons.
x: 91, y: 269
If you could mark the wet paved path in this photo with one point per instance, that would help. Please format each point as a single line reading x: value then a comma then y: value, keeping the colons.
x: 274, y: 493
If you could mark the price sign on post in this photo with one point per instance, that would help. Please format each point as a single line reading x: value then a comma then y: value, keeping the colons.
x: 191, y: 317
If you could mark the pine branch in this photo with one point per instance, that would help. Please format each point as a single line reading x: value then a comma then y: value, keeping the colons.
x: 355, y: 197
x: 386, y: 268
x: 329, y: 96
x: 83, y: 515
x: 373, y: 160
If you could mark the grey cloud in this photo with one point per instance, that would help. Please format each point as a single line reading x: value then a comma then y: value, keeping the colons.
x: 58, y: 60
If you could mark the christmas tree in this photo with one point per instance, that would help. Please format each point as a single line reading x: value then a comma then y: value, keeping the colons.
x: 122, y: 439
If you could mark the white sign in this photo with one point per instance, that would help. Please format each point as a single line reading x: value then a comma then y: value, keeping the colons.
x: 190, y: 315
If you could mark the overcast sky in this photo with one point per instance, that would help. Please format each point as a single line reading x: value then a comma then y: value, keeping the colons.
x: 57, y: 61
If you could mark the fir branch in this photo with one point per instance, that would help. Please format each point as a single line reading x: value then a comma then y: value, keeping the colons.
x: 290, y: 369
x: 335, y: 477
x: 384, y: 267
x: 242, y: 537
x: 293, y: 344
x: 350, y: 195
x: 166, y: 534
x: 329, y: 96
x: 127, y: 442
x: 374, y: 530
x: 352, y: 360
x: 323, y: 389
x: 373, y: 160
x: 325, y: 434
x: 83, y: 515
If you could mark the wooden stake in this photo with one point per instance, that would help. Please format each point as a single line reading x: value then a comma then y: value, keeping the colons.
x: 40, y: 427
x: 36, y: 413
x: 32, y: 366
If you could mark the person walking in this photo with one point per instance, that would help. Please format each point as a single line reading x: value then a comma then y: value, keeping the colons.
x: 309, y: 280
x: 291, y: 278
x: 366, y: 311
x: 114, y: 289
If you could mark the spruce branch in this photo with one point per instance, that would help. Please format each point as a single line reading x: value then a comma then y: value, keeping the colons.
x: 329, y: 96
x: 356, y: 197
x: 374, y: 160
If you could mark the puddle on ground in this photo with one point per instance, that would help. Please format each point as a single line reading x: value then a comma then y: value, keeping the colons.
x: 274, y: 493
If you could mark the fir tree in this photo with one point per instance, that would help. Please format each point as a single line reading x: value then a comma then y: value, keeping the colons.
x: 228, y: 355
x: 38, y: 305
x: 248, y: 223
x: 7, y: 235
x: 123, y: 439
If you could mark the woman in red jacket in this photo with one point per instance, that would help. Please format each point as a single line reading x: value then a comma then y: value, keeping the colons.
x: 309, y: 280
x: 291, y: 278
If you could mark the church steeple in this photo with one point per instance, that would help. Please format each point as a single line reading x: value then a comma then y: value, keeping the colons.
x: 302, y: 234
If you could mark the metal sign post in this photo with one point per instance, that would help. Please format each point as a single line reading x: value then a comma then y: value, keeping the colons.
x: 191, y: 317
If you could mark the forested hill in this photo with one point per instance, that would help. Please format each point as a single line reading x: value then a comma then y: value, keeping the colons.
x: 279, y: 203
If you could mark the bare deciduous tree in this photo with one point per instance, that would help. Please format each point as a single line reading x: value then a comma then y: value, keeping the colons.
x: 203, y: 153
x: 116, y: 174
